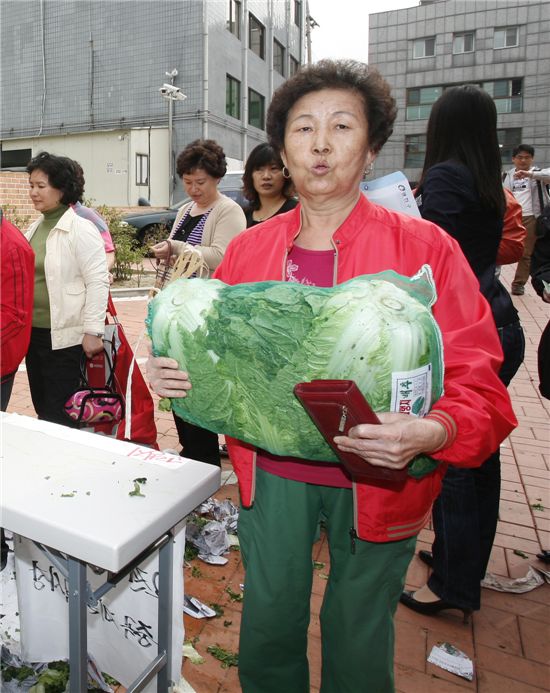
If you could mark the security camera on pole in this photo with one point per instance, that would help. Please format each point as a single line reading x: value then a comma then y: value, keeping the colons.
x: 171, y: 93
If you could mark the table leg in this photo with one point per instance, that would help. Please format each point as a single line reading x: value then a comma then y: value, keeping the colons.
x: 78, y: 640
x: 166, y: 559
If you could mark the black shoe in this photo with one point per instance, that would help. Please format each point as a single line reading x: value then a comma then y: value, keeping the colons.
x: 223, y: 450
x: 426, y: 557
x: 430, y: 608
x: 518, y: 290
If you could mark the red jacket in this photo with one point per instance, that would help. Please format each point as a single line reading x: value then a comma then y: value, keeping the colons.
x: 16, y: 297
x: 511, y: 245
x: 373, y: 239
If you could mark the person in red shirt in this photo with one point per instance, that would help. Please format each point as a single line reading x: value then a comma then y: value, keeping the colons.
x: 329, y: 121
x: 16, y: 297
x: 17, y: 288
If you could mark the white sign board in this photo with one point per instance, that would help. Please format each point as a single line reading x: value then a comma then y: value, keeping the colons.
x: 122, y: 628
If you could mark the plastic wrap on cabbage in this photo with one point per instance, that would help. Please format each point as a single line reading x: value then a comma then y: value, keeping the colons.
x: 246, y: 346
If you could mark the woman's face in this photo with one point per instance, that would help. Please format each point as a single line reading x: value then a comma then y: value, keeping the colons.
x: 326, y: 146
x: 201, y: 187
x: 43, y: 196
x: 268, y: 180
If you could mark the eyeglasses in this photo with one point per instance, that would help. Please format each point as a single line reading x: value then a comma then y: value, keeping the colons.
x: 523, y: 158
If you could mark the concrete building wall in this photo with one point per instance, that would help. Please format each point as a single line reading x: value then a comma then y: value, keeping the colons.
x: 109, y: 161
x: 391, y: 38
x: 96, y: 66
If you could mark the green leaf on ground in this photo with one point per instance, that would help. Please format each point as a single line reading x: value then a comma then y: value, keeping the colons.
x: 521, y: 554
x: 234, y: 596
x: 227, y: 658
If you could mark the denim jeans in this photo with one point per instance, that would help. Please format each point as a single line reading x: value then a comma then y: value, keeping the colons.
x: 465, y: 514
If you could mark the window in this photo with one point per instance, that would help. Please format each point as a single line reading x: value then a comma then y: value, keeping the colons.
x: 15, y: 158
x: 278, y: 57
x: 463, y: 43
x: 142, y: 169
x: 234, y: 18
x: 298, y: 13
x: 232, y: 97
x: 508, y: 138
x: 256, y: 109
x: 420, y: 100
x: 256, y: 36
x: 415, y: 150
x: 424, y: 48
x: 507, y: 37
x: 507, y: 94
x: 293, y: 67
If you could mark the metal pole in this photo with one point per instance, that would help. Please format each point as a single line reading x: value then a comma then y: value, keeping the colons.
x: 170, y: 157
x: 78, y: 641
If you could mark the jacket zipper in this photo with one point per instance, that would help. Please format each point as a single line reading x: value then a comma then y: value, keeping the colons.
x: 353, y: 530
x: 253, y: 485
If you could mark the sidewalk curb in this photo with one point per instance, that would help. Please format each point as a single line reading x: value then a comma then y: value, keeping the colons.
x: 129, y: 292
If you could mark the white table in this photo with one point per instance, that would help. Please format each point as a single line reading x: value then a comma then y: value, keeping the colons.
x: 101, y: 524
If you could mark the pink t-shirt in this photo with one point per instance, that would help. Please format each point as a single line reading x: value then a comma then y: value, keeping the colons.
x: 314, y: 268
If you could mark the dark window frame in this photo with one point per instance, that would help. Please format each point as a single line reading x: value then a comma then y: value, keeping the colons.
x: 424, y: 40
x: 504, y: 30
x: 234, y: 18
x: 298, y: 13
x: 232, y: 97
x: 279, y: 54
x: 294, y: 66
x: 256, y: 36
x: 16, y: 158
x: 256, y: 120
x: 464, y: 35
x: 140, y: 159
x: 415, y: 159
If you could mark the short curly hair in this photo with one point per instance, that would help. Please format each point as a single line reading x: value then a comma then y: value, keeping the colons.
x: 380, y: 108
x: 62, y: 173
x: 203, y: 154
x: 262, y: 155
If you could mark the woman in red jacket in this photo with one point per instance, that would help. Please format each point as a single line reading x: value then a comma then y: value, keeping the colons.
x: 329, y: 121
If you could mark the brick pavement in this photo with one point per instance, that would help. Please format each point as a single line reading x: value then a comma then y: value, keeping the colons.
x: 507, y: 639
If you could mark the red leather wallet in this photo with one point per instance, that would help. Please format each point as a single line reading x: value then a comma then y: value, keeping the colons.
x: 335, y: 406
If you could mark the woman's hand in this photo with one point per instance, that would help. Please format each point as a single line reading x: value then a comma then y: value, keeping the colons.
x: 395, y: 441
x: 165, y: 377
x: 162, y: 250
x: 92, y: 345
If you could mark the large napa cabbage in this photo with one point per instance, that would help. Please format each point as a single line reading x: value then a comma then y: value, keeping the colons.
x: 246, y: 346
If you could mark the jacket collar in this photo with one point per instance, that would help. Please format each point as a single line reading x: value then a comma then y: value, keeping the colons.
x: 360, y: 215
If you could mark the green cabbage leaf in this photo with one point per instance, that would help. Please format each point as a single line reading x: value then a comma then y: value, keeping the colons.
x: 246, y: 346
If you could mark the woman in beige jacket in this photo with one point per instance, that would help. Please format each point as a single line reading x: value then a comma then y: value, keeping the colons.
x: 203, y: 229
x: 71, y: 285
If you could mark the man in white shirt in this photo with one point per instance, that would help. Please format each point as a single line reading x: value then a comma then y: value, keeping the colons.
x: 527, y: 183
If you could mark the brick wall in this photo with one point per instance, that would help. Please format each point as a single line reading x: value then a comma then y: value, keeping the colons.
x: 14, y: 191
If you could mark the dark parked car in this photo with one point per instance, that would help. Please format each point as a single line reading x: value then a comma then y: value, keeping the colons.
x: 148, y: 222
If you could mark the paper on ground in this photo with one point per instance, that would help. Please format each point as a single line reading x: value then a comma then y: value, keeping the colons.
x: 517, y: 585
x: 452, y: 659
x: 197, y: 609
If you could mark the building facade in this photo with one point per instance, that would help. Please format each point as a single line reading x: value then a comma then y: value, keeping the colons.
x: 83, y: 78
x: 501, y: 45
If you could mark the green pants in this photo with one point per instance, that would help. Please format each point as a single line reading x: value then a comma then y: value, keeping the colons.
x: 276, y: 536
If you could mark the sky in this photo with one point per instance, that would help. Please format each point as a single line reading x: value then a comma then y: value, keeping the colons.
x: 344, y: 26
